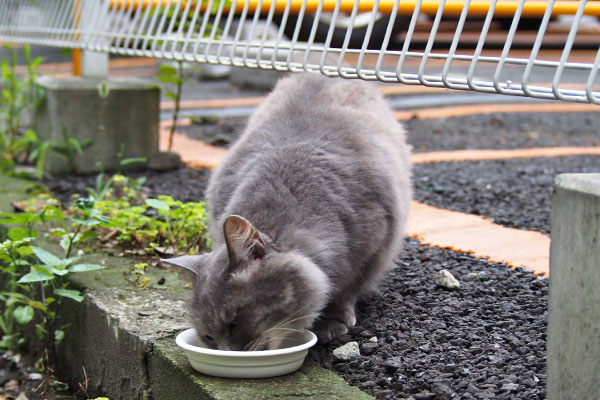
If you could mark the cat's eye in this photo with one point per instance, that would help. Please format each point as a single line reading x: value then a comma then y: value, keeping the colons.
x: 208, y: 339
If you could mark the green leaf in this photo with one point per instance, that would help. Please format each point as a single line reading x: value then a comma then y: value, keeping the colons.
x: 84, y: 203
x: 58, y: 233
x: 89, y: 235
x: 158, y: 204
x: 65, y: 242
x: 37, y: 61
x: 85, y: 267
x: 38, y: 305
x: 18, y: 233
x: 4, y: 69
x: 27, y: 53
x: 23, y: 251
x: 45, y: 256
x: 103, y: 89
x: 85, y: 221
x: 50, y: 213
x: 23, y: 314
x: 35, y: 276
x: 133, y: 160
x: 67, y: 261
x: 59, y: 335
x: 60, y: 272
x: 167, y: 70
x: 71, y: 294
x: 20, y: 219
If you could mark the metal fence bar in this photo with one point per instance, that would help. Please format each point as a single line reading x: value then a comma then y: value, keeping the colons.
x: 404, y: 41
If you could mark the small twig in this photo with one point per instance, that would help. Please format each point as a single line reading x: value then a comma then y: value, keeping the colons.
x: 177, y: 103
x: 83, y: 386
x: 110, y: 234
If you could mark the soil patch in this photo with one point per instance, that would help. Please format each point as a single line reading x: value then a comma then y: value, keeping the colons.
x: 182, y: 184
x: 20, y: 379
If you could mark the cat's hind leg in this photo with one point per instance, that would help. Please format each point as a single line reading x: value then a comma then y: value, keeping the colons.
x: 335, y: 321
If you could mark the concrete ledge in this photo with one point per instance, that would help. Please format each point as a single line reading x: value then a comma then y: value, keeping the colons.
x: 125, y: 338
x: 122, y: 338
x: 574, y: 294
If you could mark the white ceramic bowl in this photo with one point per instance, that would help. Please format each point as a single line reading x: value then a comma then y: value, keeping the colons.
x: 245, y: 364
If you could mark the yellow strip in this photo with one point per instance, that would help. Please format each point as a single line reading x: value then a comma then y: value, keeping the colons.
x: 195, y: 153
x: 459, y: 111
x: 531, y: 8
x: 480, y: 237
x: 472, y: 155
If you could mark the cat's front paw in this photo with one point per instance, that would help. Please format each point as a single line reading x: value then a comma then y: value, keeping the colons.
x: 331, y: 328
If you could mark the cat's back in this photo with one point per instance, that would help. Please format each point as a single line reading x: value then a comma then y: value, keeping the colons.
x: 314, y: 112
x: 321, y: 136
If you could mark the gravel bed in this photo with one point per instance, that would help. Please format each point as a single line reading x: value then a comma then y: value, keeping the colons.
x: 482, y: 131
x: 504, y: 131
x: 420, y: 341
x: 217, y: 132
x: 515, y: 193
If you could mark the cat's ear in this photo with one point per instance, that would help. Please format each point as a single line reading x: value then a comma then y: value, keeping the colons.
x: 191, y: 265
x: 243, y: 239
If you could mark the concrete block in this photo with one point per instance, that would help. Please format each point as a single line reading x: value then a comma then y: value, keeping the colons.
x: 94, y: 64
x: 574, y: 295
x: 125, y: 115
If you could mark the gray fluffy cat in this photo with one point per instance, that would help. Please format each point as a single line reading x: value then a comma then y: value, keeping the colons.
x: 307, y: 212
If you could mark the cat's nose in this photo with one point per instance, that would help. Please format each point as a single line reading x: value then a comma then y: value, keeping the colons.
x: 224, y: 346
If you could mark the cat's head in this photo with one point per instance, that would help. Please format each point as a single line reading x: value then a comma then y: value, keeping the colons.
x: 248, y: 295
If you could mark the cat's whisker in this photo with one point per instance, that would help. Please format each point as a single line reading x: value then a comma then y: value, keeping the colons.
x: 287, y: 322
x: 291, y: 318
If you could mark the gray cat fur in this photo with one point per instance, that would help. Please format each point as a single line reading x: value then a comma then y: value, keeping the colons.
x: 321, y: 180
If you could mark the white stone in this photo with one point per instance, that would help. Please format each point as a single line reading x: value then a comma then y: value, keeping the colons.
x: 349, y: 351
x: 446, y: 280
x: 35, y: 376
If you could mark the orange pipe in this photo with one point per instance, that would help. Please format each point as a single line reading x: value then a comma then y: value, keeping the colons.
x: 77, y: 52
x: 531, y: 8
x: 76, y: 62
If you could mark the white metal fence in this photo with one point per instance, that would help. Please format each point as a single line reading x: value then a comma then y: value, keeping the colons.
x: 487, y: 46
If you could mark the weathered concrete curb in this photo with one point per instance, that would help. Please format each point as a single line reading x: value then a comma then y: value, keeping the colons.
x: 574, y: 296
x: 120, y: 341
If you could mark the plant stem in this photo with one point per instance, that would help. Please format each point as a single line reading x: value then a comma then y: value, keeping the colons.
x: 72, y: 240
x: 177, y: 103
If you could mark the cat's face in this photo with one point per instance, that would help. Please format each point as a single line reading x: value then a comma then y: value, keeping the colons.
x: 248, y: 296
